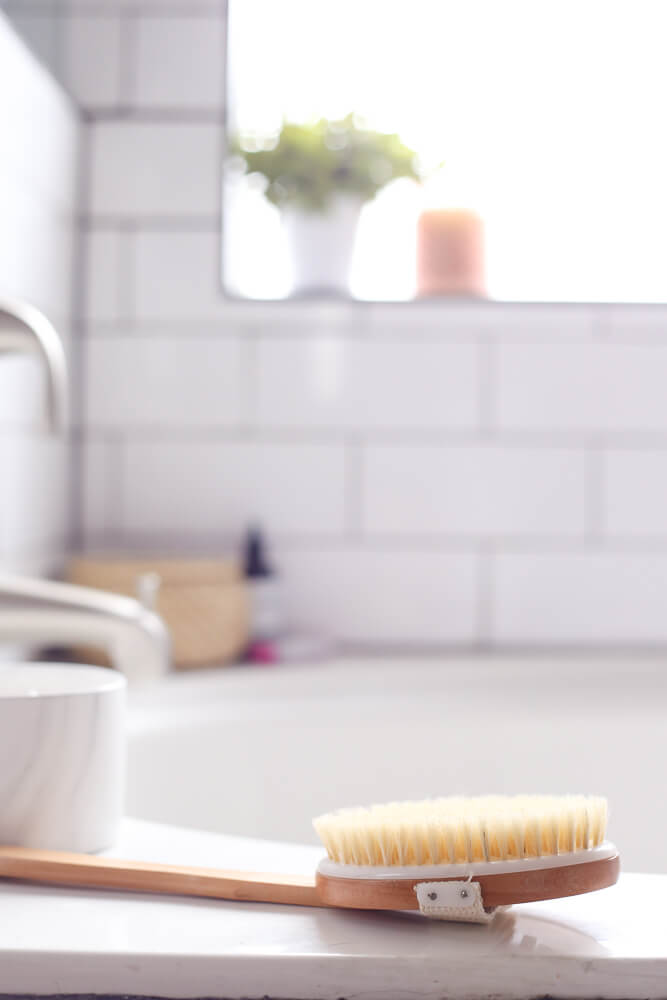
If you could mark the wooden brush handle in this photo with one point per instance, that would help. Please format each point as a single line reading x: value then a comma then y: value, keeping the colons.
x: 84, y: 870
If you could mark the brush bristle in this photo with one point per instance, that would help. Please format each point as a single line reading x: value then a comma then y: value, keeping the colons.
x: 455, y: 830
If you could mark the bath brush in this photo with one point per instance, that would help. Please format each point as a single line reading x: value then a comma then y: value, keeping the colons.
x: 451, y: 858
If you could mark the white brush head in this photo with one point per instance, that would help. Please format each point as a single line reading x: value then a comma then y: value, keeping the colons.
x: 458, y: 830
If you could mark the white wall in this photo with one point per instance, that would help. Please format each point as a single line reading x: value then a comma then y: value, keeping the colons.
x: 428, y: 473
x: 38, y: 162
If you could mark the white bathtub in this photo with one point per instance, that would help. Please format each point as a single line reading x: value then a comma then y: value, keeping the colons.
x: 260, y: 751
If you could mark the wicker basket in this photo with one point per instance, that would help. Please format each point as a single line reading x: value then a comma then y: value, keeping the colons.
x: 203, y: 602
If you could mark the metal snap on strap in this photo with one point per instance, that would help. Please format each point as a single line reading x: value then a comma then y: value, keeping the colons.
x: 453, y: 900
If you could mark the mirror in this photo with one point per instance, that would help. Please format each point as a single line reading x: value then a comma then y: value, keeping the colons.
x: 507, y: 151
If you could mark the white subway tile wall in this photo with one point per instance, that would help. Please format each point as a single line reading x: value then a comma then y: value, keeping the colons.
x: 428, y: 473
x: 580, y: 597
x: 178, y: 62
x: 176, y: 275
x: 38, y: 160
x: 182, y: 491
x: 635, y: 490
x: 101, y: 488
x: 582, y: 386
x: 385, y: 596
x: 92, y: 59
x: 174, y: 382
x: 338, y: 382
x: 473, y: 490
x: 106, y: 275
x: 152, y: 169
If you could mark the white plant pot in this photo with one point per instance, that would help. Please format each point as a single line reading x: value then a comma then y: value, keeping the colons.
x: 321, y: 245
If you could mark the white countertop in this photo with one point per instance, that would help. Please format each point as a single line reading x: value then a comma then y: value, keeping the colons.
x: 607, y: 944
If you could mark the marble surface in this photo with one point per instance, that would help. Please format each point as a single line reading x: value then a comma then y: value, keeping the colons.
x: 607, y: 944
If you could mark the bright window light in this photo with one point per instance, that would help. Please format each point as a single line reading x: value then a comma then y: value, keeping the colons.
x: 549, y: 117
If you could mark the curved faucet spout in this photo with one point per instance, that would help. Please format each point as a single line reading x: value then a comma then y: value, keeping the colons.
x: 45, y: 611
x: 25, y: 330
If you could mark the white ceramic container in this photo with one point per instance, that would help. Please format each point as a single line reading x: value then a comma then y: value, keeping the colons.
x: 62, y: 755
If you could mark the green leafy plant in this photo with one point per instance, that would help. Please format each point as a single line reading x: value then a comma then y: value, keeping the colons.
x: 306, y: 165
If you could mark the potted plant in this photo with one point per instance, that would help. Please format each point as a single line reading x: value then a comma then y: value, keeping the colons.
x: 320, y: 175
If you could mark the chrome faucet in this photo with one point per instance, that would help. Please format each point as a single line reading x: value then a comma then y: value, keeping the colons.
x: 25, y: 330
x: 48, y: 612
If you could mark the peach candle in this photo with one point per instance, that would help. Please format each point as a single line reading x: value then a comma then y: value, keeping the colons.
x: 450, y: 253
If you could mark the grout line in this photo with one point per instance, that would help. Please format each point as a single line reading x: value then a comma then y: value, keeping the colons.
x: 143, y: 114
x: 296, y: 322
x: 115, y: 499
x: 249, y: 386
x: 453, y: 437
x: 224, y: 66
x: 601, y: 323
x: 126, y: 70
x: 485, y: 598
x: 127, y: 270
x: 109, y: 480
x: 487, y: 387
x: 353, y: 501
x: 334, y: 541
x: 206, y: 222
x: 136, y: 8
x: 594, y: 476
x: 222, y: 139
x: 124, y: 328
x: 292, y: 318
x: 61, y: 67
x: 391, y: 437
x: 173, y: 8
x: 79, y: 293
